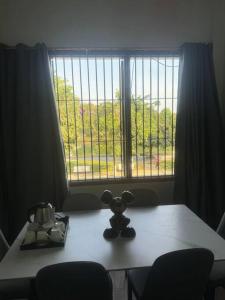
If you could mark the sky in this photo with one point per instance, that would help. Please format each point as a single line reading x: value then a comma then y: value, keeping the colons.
x: 98, y: 78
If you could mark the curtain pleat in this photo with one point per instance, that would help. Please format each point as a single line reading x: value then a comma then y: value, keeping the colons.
x: 32, y: 160
x: 200, y: 147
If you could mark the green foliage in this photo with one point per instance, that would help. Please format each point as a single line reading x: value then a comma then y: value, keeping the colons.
x: 86, y: 125
x: 150, y: 128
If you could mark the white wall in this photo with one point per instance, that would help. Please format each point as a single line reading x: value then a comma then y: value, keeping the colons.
x: 116, y: 23
x: 105, y: 23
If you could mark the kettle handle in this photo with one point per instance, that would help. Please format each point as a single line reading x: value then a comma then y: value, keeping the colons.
x: 30, y: 212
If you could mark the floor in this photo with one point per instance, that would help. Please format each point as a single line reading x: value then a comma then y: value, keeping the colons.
x: 119, y: 285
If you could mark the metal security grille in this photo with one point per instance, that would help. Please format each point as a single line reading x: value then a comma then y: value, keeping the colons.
x: 153, y: 114
x: 117, y: 114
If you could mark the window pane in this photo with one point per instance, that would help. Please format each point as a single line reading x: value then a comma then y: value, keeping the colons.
x: 154, y: 82
x: 88, y: 94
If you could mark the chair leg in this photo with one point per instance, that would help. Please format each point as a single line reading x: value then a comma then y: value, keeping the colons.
x: 210, y: 294
x: 129, y: 289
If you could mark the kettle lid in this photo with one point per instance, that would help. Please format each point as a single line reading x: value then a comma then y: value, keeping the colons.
x: 44, y: 205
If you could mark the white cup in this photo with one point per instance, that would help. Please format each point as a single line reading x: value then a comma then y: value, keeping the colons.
x: 56, y: 235
x: 60, y: 225
x: 30, y: 237
x: 42, y: 236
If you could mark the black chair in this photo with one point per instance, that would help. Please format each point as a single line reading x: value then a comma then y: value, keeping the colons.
x: 73, y: 281
x: 82, y: 201
x: 178, y: 275
x: 217, y: 276
x: 15, y: 288
x: 143, y: 198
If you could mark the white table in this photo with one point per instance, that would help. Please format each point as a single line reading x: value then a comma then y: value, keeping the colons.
x: 158, y: 230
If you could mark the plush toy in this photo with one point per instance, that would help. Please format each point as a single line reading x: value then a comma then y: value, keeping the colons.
x: 118, y: 221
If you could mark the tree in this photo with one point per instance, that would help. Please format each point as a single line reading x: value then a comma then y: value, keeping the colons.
x: 85, y: 125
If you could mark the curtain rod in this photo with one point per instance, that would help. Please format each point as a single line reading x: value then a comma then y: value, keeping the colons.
x: 101, y: 48
x: 114, y: 49
x: 65, y: 51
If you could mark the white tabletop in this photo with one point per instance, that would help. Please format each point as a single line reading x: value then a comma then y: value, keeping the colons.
x: 158, y: 230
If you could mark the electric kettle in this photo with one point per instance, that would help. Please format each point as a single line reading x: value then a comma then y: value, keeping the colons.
x: 43, y: 214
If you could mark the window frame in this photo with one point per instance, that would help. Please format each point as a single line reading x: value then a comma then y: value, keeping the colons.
x: 126, y: 55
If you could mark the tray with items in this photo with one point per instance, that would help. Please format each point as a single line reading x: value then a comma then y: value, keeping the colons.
x: 45, y: 237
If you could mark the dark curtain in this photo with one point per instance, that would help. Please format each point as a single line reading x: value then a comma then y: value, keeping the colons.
x: 200, y: 147
x: 32, y: 162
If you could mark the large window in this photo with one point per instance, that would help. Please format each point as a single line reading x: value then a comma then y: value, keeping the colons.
x: 117, y: 113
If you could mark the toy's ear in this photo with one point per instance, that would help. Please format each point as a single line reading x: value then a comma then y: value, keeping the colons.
x: 127, y: 196
x: 106, y: 197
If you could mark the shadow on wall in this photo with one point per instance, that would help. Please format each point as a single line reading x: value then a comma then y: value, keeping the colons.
x: 163, y: 191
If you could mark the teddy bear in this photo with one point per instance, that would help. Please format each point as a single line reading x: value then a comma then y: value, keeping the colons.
x: 118, y: 221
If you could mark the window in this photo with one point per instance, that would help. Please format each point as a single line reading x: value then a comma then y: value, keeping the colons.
x: 117, y: 113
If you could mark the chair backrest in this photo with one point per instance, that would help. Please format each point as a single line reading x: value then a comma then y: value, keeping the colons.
x: 144, y: 197
x: 82, y: 201
x: 179, y: 275
x: 4, y: 246
x: 221, y: 227
x: 74, y: 281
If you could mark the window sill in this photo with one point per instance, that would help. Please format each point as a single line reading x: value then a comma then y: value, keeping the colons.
x: 122, y: 180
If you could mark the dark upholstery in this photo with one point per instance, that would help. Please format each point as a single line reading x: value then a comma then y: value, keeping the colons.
x: 174, y: 276
x: 144, y: 197
x: 82, y: 201
x: 15, y: 288
x: 74, y: 281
